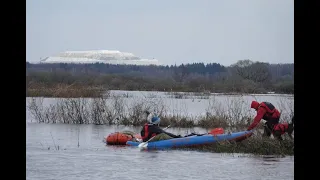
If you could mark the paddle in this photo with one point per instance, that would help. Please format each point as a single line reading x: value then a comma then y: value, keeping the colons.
x: 144, y: 145
x: 214, y: 131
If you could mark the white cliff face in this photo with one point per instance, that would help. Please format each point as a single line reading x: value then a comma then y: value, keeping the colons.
x: 99, y: 56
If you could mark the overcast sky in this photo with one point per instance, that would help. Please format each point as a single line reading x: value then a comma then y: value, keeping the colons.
x: 172, y: 31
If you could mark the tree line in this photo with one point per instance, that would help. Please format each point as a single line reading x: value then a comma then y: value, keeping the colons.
x: 245, y: 76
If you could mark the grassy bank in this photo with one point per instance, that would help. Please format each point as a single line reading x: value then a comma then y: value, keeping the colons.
x: 64, y: 91
x: 78, y: 90
x: 255, y: 145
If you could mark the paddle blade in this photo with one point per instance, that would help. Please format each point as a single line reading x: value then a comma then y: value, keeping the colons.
x: 216, y: 131
x: 143, y: 145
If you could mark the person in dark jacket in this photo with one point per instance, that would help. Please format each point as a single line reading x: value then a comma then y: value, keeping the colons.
x: 152, y: 129
x: 268, y: 112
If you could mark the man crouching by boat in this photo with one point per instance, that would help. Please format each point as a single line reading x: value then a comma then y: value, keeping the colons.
x: 267, y: 111
x: 152, y: 128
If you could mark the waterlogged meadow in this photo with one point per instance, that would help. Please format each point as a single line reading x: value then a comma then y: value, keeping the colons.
x: 180, y: 110
x: 65, y: 137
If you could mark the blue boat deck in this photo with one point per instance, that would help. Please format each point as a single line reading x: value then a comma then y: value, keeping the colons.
x: 194, y: 140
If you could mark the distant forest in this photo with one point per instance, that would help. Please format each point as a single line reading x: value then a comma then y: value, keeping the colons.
x: 245, y: 76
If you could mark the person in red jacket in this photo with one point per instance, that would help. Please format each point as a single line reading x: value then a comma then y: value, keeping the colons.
x: 281, y: 128
x: 266, y: 111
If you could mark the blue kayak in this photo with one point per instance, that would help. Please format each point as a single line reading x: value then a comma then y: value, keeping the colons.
x: 196, y: 140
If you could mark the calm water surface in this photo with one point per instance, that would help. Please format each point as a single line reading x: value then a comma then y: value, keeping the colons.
x: 92, y: 159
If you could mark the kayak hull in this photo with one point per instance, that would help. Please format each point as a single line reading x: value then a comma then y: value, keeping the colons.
x: 194, y: 140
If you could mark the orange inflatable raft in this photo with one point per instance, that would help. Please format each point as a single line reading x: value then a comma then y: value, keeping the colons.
x: 119, y: 138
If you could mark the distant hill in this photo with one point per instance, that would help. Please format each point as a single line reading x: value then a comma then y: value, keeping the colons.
x: 98, y: 56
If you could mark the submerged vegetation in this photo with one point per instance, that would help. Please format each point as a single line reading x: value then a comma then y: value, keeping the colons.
x: 115, y: 110
x: 119, y: 110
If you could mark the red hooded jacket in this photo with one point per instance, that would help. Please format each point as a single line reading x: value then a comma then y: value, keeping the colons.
x: 266, y: 111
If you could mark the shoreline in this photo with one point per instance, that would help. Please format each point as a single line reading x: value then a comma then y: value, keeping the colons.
x: 94, y: 93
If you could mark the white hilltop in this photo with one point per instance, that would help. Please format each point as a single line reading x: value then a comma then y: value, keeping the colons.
x: 99, y: 56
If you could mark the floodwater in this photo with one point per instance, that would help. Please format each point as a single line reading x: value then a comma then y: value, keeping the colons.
x: 77, y: 152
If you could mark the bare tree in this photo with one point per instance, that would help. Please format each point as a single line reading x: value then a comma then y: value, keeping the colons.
x: 255, y: 71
